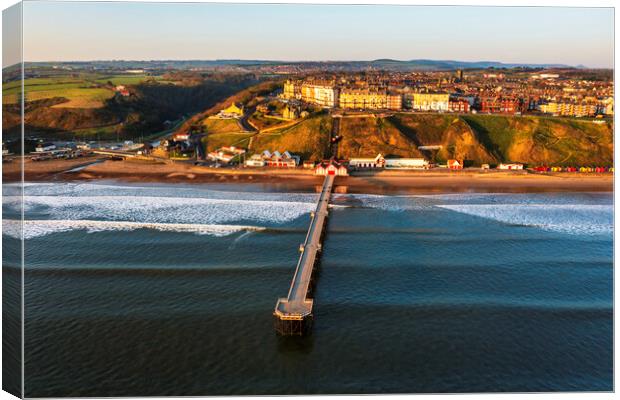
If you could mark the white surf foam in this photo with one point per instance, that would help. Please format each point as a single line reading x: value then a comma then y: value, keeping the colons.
x: 37, y: 228
x: 566, y: 218
x: 165, y: 209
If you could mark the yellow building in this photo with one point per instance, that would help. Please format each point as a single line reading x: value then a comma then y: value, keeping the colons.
x: 292, y: 90
x: 322, y: 94
x: 394, y: 102
x: 233, y: 111
x: 369, y: 99
x: 290, y: 112
x: 569, y: 109
x: 430, y: 101
x: 363, y: 99
x: 607, y: 106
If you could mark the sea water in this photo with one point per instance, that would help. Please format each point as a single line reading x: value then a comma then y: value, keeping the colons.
x: 169, y: 290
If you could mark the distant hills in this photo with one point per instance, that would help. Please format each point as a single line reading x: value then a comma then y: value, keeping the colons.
x: 380, y: 64
x: 421, y: 64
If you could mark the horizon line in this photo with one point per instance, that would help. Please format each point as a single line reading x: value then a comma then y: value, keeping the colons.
x: 512, y: 64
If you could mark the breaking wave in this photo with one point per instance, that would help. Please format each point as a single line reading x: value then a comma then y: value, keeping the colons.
x: 38, y: 228
x: 565, y: 218
x: 164, y: 209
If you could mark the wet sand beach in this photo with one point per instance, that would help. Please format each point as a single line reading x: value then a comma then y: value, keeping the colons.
x: 372, y: 182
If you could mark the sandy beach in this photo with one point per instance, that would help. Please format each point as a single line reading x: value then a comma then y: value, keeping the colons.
x: 378, y: 182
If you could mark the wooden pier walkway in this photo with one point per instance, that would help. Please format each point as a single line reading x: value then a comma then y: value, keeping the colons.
x: 293, y: 314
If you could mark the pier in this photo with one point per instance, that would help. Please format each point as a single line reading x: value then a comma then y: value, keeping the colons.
x: 293, y: 314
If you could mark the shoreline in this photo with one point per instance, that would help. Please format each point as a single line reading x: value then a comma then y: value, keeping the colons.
x: 369, y: 182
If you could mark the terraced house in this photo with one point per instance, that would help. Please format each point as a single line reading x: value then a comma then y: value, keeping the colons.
x: 569, y: 109
x: 369, y: 99
x: 430, y: 101
x: 324, y: 94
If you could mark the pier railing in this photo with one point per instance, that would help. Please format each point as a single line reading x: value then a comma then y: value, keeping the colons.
x: 293, y: 314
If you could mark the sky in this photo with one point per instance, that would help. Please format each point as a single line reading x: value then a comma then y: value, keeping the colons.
x: 82, y: 31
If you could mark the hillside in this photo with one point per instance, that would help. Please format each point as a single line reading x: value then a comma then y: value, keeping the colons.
x: 308, y: 139
x: 477, y: 139
x: 545, y: 140
x: 456, y: 138
x: 493, y: 139
x: 87, y: 105
x: 365, y: 137
x: 246, y: 96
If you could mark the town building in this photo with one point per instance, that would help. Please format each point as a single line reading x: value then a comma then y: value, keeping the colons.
x: 458, y: 105
x: 369, y: 99
x: 275, y: 159
x: 322, y: 94
x: 430, y: 101
x: 406, y: 163
x: 309, y: 164
x: 606, y: 106
x: 282, y: 160
x: 500, y: 105
x: 394, y: 102
x: 455, y: 164
x: 510, y: 166
x: 255, y: 161
x: 290, y: 112
x: 235, y: 110
x: 569, y: 109
x: 292, y: 90
x: 331, y: 167
x: 377, y: 162
x: 122, y: 90
x: 180, y: 137
x: 226, y: 155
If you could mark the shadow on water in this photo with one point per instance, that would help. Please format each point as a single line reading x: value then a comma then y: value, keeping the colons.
x: 295, y: 344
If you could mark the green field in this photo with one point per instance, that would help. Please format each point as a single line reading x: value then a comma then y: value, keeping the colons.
x: 215, y: 141
x: 215, y: 125
x: 87, y: 91
x: 127, y: 79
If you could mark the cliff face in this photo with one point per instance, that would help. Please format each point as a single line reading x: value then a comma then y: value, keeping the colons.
x: 551, y: 141
x: 476, y: 139
x: 308, y: 139
x: 367, y: 137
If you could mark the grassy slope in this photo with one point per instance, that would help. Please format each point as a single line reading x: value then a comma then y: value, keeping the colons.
x: 84, y: 92
x: 475, y: 138
x: 243, y: 96
x: 457, y: 139
x: 538, y: 140
x: 85, y: 105
x: 308, y: 139
x: 261, y: 121
x: 215, y: 141
x: 366, y: 137
x: 215, y: 126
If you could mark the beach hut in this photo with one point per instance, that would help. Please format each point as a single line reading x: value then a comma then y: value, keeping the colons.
x: 455, y: 164
x: 511, y: 166
x: 331, y: 168
x: 377, y: 162
x: 309, y: 164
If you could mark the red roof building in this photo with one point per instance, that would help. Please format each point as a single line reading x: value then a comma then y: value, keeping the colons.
x: 500, y: 105
x: 455, y: 164
x: 460, y: 105
x: 331, y: 167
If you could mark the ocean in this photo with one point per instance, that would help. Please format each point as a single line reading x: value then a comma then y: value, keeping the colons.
x: 155, y: 289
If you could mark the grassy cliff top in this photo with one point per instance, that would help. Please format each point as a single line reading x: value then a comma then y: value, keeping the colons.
x: 475, y: 138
